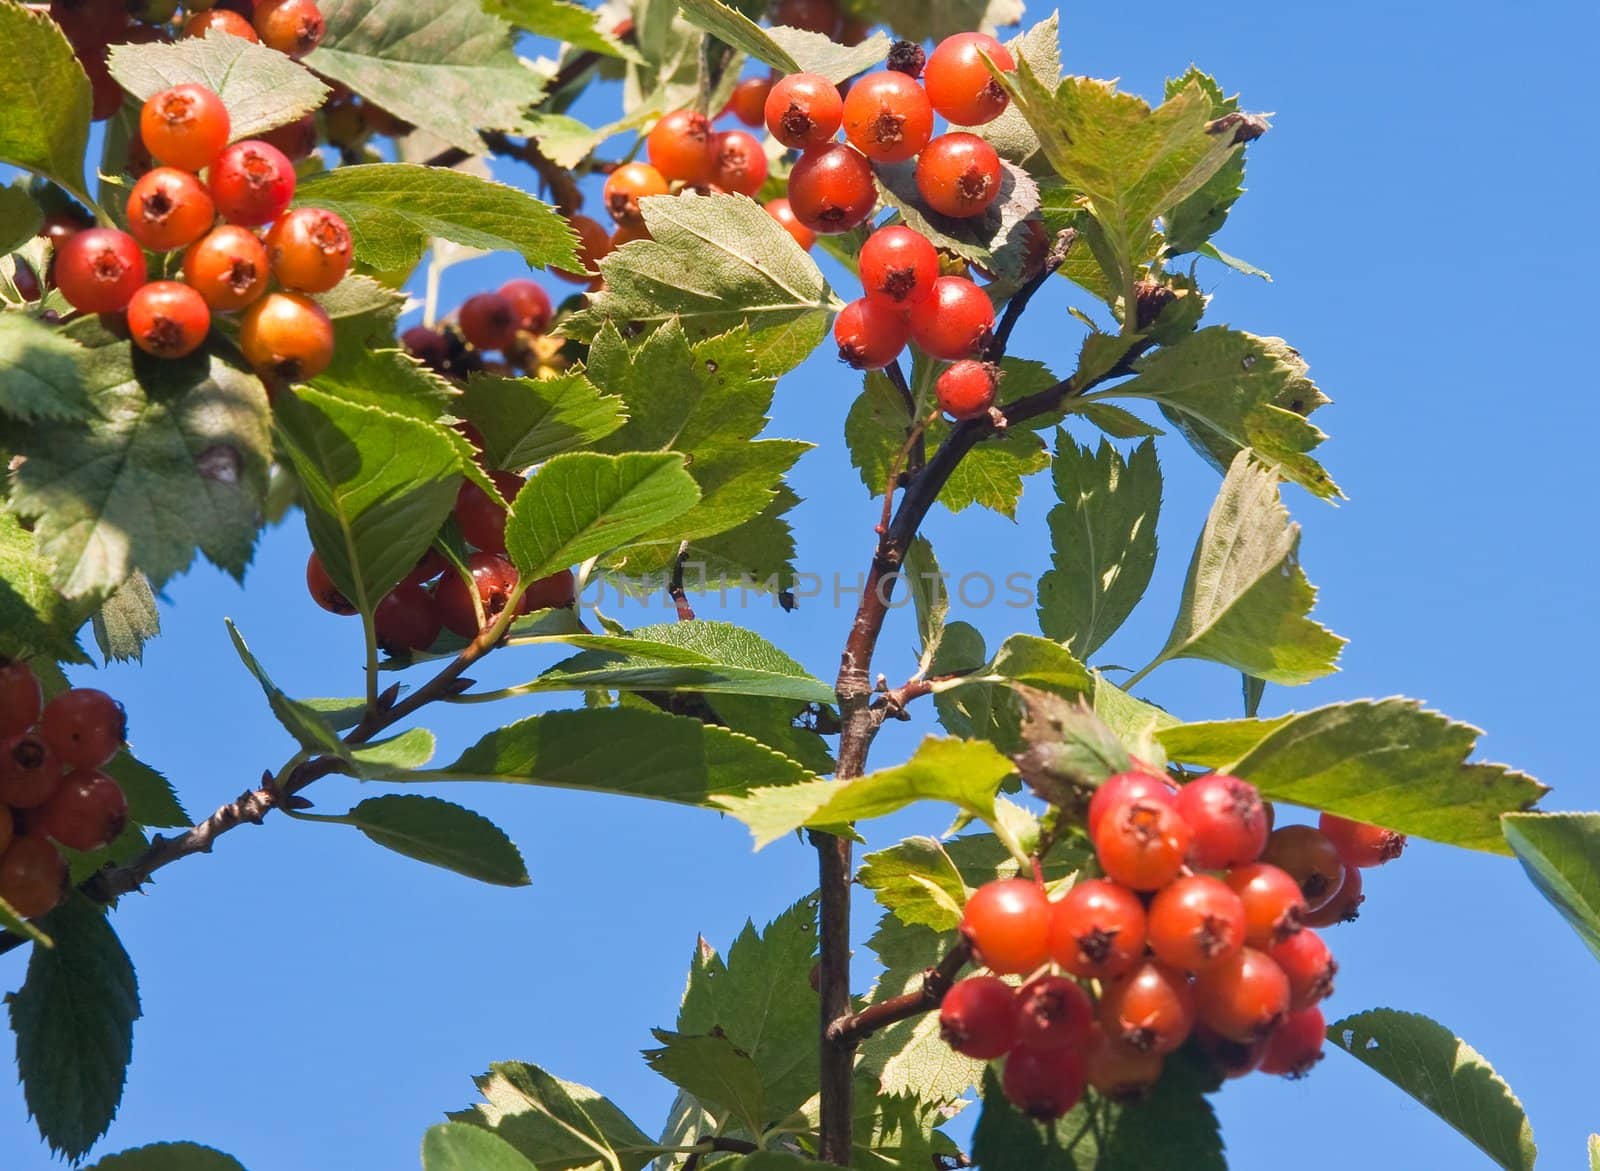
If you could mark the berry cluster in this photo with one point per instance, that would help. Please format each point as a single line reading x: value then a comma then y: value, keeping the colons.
x: 1201, y: 929
x: 52, y: 792
x: 514, y: 320
x: 227, y: 267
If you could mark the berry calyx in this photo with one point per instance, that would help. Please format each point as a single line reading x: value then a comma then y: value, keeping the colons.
x: 1228, y: 819
x: 29, y: 771
x: 493, y: 579
x: 1244, y: 997
x: 530, y: 303
x: 287, y: 336
x: 185, y: 126
x: 1310, y: 966
x: 1043, y: 1084
x: 1150, y: 1010
x: 98, y: 270
x: 1310, y: 859
x: 1344, y: 907
x: 252, y: 183
x: 168, y: 319
x: 21, y: 698
x: 169, y: 208
x: 488, y: 321
x: 310, y: 249
x: 780, y: 210
x: 1097, y: 930
x: 740, y: 163
x: 887, y: 117
x: 1195, y: 923
x: 1053, y: 1013
x: 480, y: 517
x: 1142, y: 844
x: 899, y: 264
x: 1359, y: 844
x: 870, y: 333
x: 680, y: 146
x: 1295, y: 1046
x: 956, y: 321
x: 627, y: 185
x: 831, y: 189
x: 83, y: 727
x: 960, y: 85
x: 1128, y: 786
x: 86, y: 812
x: 1274, y: 908
x: 228, y: 267
x: 959, y: 175
x: 804, y: 110
x: 406, y: 619
x: 967, y: 390
x: 293, y: 27
x: 322, y: 590
x: 1008, y: 924
x: 33, y: 876
x: 978, y: 1017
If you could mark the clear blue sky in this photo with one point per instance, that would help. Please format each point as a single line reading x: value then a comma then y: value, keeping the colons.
x: 1425, y: 204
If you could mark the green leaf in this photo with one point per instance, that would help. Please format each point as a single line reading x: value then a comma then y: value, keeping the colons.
x: 73, y: 1017
x: 1594, y: 1152
x: 930, y: 596
x: 440, y: 834
x: 1388, y: 762
x: 918, y: 881
x: 1135, y: 722
x: 933, y: 20
x: 572, y: 24
x: 369, y: 367
x: 713, y: 262
x: 1102, y: 541
x: 1561, y: 853
x: 394, y: 209
x: 583, y: 504
x: 176, y: 460
x: 410, y: 749
x: 1007, y: 239
x: 40, y: 371
x: 991, y: 703
x: 34, y: 617
x: 1194, y: 221
x: 557, y: 1125
x: 1446, y: 1075
x: 1227, y: 391
x: 598, y: 750
x: 1116, y: 422
x: 456, y: 1146
x: 790, y: 50
x: 44, y: 109
x: 127, y: 621
x: 444, y: 66
x: 261, y: 87
x: 966, y: 773
x: 525, y: 421
x: 909, y: 1057
x: 1010, y: 134
x: 151, y: 799
x: 1246, y: 600
x: 169, y: 1157
x: 305, y: 724
x: 20, y: 217
x: 17, y: 925
x: 376, y: 487
x: 714, y: 1070
x: 1065, y: 749
x: 780, y: 724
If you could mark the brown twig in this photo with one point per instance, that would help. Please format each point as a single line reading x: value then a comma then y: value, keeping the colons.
x: 936, y: 981
x: 563, y: 187
x: 919, y: 450
x: 1053, y: 261
x: 717, y: 1142
x: 675, y: 590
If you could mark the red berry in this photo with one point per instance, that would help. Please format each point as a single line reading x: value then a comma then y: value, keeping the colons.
x: 1117, y: 1071
x: 960, y: 85
x: 98, y: 270
x: 310, y: 249
x: 495, y: 581
x: 1228, y: 819
x: 33, y: 876
x: 887, y: 117
x: 1196, y: 923
x: 1128, y: 786
x: 1008, y: 922
x: 429, y: 566
x: 780, y: 210
x: 550, y: 593
x: 870, y: 333
x: 224, y: 21
x: 287, y: 336
x: 831, y: 189
x: 252, y: 182
x: 480, y: 517
x: 168, y: 208
x: 967, y: 389
x: 29, y: 771
x: 228, y: 267
x: 1311, y: 860
x: 430, y: 348
x: 86, y: 812
x: 748, y: 101
x: 168, y: 319
x: 488, y: 321
x: 1231, y: 1059
x: 8, y: 827
x: 627, y: 185
x: 1151, y: 1009
x: 959, y: 175
x: 815, y: 16
x: 1344, y: 907
x: 957, y: 321
x: 978, y: 1017
x: 804, y: 110
x: 529, y: 302
x: 21, y: 699
x: 899, y: 264
x: 681, y: 147
x: 1142, y: 844
x: 297, y: 139
x: 1310, y: 966
x: 323, y: 592
x: 1097, y: 930
x: 1043, y: 1084
x: 1053, y: 1013
x: 1274, y: 908
x: 593, y: 243
x: 406, y: 619
x: 293, y: 27
x: 741, y: 164
x: 83, y: 727
x: 185, y: 126
x: 1359, y: 844
x: 1296, y: 1045
x: 1244, y: 997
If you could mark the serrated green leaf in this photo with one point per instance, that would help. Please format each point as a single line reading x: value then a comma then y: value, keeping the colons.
x: 127, y: 620
x: 444, y: 66
x: 261, y: 87
x: 410, y: 749
x: 789, y: 50
x: 305, y: 724
x: 1594, y: 1152
x: 525, y: 421
x: 1193, y: 222
x: 17, y: 925
x: 456, y: 1146
x: 369, y: 367
x: 757, y: 555
x: 176, y: 460
x: 1116, y: 422
x: 1388, y: 762
x: 1561, y: 853
x: 44, y: 109
x: 376, y: 487
x: 20, y: 217
x: 169, y: 1157
x: 1102, y: 540
x: 714, y: 262
x: 1446, y: 1075
x: 930, y: 597
x: 990, y: 703
x: 910, y: 1057
x: 73, y: 1017
x: 918, y: 881
x: 966, y: 773
x: 34, y: 617
x: 441, y: 834
x: 1246, y: 600
x: 394, y: 209
x: 151, y: 798
x: 714, y: 1070
x: 1010, y: 134
x: 572, y: 24
x: 1134, y: 721
x: 1065, y: 748
x: 1227, y: 391
x: 780, y: 724
x: 555, y: 1124
x: 41, y: 371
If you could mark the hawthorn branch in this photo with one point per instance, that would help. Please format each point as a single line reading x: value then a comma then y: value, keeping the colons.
x: 1053, y: 261
x: 936, y: 981
x: 717, y: 1142
x: 675, y: 590
x: 560, y: 182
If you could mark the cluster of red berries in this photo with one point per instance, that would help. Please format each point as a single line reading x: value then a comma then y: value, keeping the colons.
x: 513, y: 320
x: 294, y: 27
x: 1201, y: 928
x: 821, y: 16
x: 52, y: 792
x: 226, y: 267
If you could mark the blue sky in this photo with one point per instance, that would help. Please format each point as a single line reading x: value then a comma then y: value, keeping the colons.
x: 1424, y: 204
